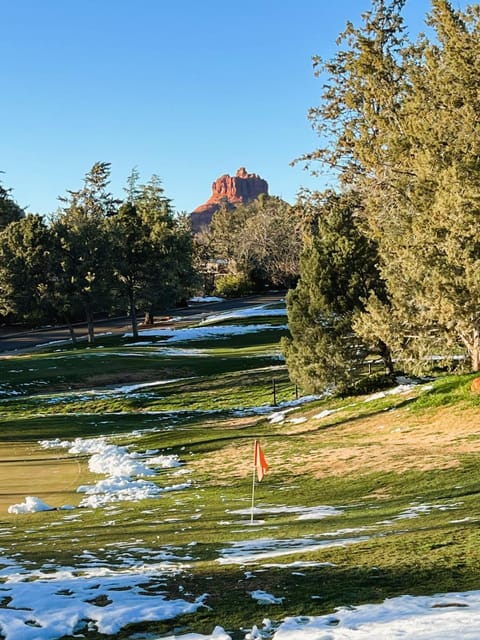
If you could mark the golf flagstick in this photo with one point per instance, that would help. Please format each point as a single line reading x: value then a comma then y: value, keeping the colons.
x: 261, y: 467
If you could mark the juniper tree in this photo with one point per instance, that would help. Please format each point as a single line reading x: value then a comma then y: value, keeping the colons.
x: 337, y: 273
x: 401, y: 124
x: 131, y: 256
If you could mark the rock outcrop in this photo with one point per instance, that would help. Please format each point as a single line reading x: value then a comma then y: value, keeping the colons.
x: 231, y: 191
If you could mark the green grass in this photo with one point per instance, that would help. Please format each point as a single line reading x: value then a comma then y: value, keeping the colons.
x: 196, y: 418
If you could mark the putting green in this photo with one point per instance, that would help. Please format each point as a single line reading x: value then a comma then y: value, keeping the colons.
x: 28, y: 470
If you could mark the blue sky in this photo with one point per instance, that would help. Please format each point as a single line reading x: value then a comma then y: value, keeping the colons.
x: 186, y: 89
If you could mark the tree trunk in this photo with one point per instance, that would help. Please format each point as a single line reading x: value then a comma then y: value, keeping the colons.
x: 90, y: 326
x: 386, y: 356
x: 71, y: 330
x: 475, y: 350
x: 133, y: 314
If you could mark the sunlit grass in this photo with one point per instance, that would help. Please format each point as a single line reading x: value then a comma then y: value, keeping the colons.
x: 207, y: 418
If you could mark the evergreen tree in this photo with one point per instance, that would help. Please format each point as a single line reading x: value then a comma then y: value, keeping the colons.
x: 167, y: 269
x: 337, y: 273
x: 131, y: 256
x: 85, y: 274
x: 26, y: 270
x: 10, y: 211
x: 402, y: 127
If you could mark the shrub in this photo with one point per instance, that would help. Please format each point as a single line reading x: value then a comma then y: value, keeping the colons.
x: 233, y: 285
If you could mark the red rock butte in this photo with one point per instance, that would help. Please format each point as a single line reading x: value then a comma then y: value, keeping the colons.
x: 232, y: 191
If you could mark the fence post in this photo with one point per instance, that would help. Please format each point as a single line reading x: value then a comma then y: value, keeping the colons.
x: 274, y: 389
x: 296, y: 392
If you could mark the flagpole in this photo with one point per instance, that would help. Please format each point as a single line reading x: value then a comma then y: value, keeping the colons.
x: 253, y: 482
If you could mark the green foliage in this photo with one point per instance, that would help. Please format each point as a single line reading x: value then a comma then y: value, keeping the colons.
x: 85, y: 272
x: 26, y: 269
x: 337, y: 272
x: 94, y: 258
x: 167, y: 268
x: 401, y: 122
x: 10, y: 211
x: 233, y: 285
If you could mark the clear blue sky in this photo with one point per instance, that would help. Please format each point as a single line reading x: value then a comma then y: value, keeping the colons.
x: 186, y: 89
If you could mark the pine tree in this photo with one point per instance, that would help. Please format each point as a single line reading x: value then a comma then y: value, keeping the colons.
x: 131, y: 256
x: 10, y: 211
x: 167, y: 265
x: 85, y: 273
x: 26, y: 270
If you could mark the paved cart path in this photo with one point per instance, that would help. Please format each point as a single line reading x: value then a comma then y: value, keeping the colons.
x: 11, y: 342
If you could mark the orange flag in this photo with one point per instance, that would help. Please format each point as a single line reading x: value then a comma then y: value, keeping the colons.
x: 260, y: 462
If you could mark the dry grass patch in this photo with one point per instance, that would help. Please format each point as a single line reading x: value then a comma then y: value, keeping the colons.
x: 394, y: 440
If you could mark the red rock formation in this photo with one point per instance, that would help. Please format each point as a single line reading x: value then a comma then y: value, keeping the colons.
x: 231, y: 190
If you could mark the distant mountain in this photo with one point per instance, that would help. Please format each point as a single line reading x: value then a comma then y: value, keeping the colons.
x: 234, y: 190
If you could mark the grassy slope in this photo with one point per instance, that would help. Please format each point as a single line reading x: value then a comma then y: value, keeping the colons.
x: 373, y: 460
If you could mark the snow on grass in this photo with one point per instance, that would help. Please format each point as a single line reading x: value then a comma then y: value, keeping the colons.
x: 324, y: 414
x: 416, y: 510
x: 32, y: 505
x: 441, y: 617
x: 206, y: 299
x: 47, y: 606
x: 250, y: 312
x: 262, y: 597
x: 217, y: 634
x: 403, y: 388
x: 207, y: 332
x: 254, y: 551
x: 305, y: 513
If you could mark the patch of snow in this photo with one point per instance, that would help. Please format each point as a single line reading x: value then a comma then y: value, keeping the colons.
x: 179, y: 352
x: 31, y: 505
x: 206, y: 299
x: 165, y: 461
x: 260, y: 634
x: 47, y: 606
x: 324, y: 413
x: 124, y: 470
x: 208, y: 332
x: 422, y: 509
x: 306, y: 513
x: 299, y: 420
x: 249, y: 312
x: 440, y: 617
x: 399, y: 389
x: 253, y: 551
x: 262, y: 597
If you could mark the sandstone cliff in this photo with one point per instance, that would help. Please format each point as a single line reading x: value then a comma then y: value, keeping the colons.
x: 231, y: 190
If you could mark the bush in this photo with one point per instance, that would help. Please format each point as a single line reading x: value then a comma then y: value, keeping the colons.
x: 232, y: 286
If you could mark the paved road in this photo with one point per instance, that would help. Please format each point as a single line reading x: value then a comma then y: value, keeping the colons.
x: 12, y: 342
